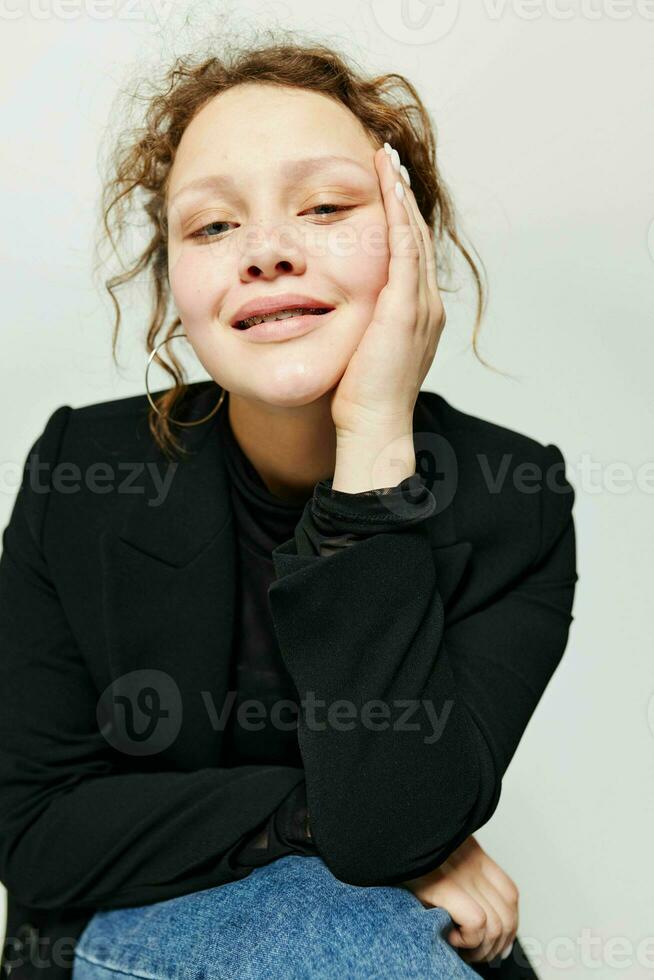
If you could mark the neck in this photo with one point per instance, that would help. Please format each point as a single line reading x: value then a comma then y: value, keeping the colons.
x: 290, y: 448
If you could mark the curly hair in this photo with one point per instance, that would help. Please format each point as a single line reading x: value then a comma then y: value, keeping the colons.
x: 388, y: 107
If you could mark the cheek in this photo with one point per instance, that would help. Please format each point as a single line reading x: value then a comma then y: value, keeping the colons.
x: 366, y: 275
x: 363, y: 262
x: 196, y: 280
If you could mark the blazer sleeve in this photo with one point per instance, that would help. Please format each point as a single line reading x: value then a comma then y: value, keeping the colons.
x: 77, y: 829
x: 336, y: 520
x: 407, y: 726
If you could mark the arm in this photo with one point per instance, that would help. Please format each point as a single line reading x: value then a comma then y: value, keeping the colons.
x: 77, y: 828
x: 366, y: 624
x: 324, y: 531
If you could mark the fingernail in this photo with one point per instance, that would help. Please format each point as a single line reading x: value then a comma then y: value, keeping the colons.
x: 405, y: 174
x: 507, y: 952
x: 395, y: 159
x: 399, y: 190
x: 388, y: 148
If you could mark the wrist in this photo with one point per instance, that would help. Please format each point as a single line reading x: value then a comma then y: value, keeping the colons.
x: 376, y: 460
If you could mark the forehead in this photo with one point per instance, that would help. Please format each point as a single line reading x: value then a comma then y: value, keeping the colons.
x: 257, y: 126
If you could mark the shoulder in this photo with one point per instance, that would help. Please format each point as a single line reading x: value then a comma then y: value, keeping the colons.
x: 112, y: 425
x: 505, y: 484
x: 471, y: 431
x: 111, y: 429
x: 76, y: 444
x: 477, y: 441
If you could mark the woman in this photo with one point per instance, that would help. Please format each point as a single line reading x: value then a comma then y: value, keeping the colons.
x: 325, y: 544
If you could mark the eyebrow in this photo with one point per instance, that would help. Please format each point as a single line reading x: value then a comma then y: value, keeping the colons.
x: 293, y: 169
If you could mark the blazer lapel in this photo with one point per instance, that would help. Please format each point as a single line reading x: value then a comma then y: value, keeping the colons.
x: 169, y: 595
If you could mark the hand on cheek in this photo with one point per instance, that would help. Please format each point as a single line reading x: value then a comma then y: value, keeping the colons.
x: 384, y: 375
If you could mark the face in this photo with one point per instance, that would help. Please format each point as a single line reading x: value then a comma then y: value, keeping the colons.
x: 275, y: 226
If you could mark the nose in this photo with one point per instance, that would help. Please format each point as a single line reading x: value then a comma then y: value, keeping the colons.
x: 270, y: 250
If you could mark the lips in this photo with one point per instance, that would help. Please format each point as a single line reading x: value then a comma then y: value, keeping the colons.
x: 273, y: 318
x: 267, y: 305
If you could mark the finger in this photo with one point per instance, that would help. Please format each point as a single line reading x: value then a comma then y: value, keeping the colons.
x: 411, y: 209
x: 404, y: 263
x: 507, y: 915
x: 431, y: 280
x: 508, y: 889
x: 420, y: 224
x: 468, y: 916
x: 498, y: 924
x: 506, y: 886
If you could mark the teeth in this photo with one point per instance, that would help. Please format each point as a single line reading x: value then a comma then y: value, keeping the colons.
x: 280, y: 315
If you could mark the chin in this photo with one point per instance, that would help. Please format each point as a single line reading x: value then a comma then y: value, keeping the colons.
x: 291, y: 388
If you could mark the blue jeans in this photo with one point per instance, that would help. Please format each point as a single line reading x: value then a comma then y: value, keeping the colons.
x: 288, y: 920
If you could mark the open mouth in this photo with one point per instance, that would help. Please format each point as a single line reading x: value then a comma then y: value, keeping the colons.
x: 281, y: 315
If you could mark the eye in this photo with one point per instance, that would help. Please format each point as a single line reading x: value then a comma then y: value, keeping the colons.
x: 337, y: 207
x: 203, y: 232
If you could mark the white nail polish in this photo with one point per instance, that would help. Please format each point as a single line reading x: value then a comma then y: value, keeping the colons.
x: 388, y: 148
x: 507, y: 952
x: 405, y: 174
x: 395, y: 160
x: 399, y: 190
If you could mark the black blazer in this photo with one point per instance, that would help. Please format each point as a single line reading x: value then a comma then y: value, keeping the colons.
x: 117, y: 603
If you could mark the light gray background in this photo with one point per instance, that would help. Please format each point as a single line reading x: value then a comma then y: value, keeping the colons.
x: 545, y: 130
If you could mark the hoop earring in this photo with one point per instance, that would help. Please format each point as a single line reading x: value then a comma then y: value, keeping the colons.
x: 173, y: 421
